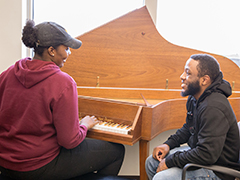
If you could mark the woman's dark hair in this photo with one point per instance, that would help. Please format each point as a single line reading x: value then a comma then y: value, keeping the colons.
x: 30, y: 39
x: 207, y: 65
x: 29, y: 34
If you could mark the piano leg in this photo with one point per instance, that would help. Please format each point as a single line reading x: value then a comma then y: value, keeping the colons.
x: 143, y: 154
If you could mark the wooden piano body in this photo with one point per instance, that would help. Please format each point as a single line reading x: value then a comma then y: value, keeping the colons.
x: 125, y: 58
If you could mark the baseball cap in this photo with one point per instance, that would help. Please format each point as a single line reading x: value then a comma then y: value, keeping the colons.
x: 52, y: 34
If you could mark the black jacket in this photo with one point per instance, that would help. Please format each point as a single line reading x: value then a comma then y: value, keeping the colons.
x: 210, y: 130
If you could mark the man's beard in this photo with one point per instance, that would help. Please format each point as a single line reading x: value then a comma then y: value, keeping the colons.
x: 192, y: 89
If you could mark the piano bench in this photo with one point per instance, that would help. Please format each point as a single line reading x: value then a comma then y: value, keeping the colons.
x: 88, y: 177
x: 4, y: 178
x: 102, y: 177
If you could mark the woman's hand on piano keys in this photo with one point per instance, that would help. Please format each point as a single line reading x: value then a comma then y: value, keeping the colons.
x: 89, y: 122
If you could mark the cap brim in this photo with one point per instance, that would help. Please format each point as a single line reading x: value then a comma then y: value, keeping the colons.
x: 73, y: 43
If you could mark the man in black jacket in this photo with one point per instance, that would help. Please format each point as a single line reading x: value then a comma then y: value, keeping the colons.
x: 210, y: 131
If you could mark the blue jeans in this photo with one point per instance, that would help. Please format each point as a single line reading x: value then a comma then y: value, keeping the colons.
x: 175, y: 173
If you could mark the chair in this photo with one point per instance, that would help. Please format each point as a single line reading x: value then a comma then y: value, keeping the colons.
x: 221, y: 169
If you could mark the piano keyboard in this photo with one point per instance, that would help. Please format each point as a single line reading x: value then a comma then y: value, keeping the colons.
x: 110, y: 126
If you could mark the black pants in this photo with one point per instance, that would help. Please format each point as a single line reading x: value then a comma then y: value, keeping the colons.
x: 90, y: 156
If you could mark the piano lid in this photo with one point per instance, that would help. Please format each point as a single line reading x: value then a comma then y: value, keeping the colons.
x: 129, y: 52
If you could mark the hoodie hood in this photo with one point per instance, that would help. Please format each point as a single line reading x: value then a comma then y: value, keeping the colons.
x: 31, y: 72
x: 218, y: 85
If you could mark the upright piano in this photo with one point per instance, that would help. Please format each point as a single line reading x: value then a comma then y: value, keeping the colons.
x: 127, y: 73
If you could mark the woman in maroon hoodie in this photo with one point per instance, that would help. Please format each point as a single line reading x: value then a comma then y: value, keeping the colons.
x: 40, y: 135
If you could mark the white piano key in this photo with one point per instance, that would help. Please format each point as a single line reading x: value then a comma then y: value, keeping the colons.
x: 106, y: 126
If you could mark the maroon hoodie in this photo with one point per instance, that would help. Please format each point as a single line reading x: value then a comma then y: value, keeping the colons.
x: 38, y: 114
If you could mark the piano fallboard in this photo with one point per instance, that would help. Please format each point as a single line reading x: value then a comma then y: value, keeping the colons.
x: 116, y: 111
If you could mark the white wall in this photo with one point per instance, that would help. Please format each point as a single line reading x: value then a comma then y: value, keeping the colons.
x: 11, y: 16
x: 152, y: 9
x: 131, y: 162
x: 10, y: 32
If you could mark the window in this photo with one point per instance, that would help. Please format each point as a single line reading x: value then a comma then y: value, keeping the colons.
x: 210, y: 26
x: 81, y: 16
